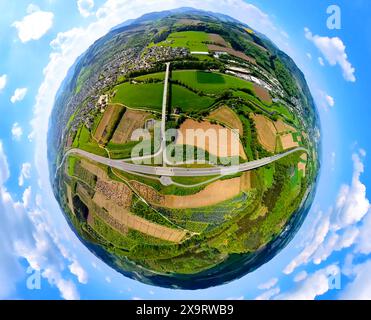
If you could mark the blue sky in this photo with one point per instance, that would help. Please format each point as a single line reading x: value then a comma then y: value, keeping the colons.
x: 41, y: 39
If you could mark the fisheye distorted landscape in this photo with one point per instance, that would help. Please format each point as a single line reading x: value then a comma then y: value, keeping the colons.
x: 197, y: 151
x: 135, y: 194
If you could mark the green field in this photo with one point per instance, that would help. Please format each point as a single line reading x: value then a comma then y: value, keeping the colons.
x: 286, y: 114
x: 189, y: 101
x: 149, y: 95
x: 121, y: 151
x: 208, y: 82
x: 193, y: 40
x: 83, y: 141
x: 71, y: 165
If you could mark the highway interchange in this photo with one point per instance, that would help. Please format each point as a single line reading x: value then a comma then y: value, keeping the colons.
x: 164, y: 171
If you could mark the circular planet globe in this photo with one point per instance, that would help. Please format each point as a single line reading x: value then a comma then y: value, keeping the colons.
x: 184, y: 149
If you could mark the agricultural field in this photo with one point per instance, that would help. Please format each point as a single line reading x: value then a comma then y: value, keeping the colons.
x: 283, y: 127
x: 262, y: 94
x: 207, y: 82
x: 142, y: 96
x: 215, y: 145
x: 159, y: 221
x: 232, y: 52
x: 228, y: 117
x: 149, y: 96
x: 189, y: 101
x: 218, y: 40
x: 84, y: 141
x: 267, y: 133
x: 107, y: 125
x: 213, y: 194
x: 192, y: 40
x: 288, y: 142
x: 210, y: 82
x: 131, y: 121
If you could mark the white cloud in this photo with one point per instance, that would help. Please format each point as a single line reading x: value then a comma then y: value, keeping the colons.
x: 17, y: 131
x: 24, y: 174
x: 301, y: 276
x: 309, y: 56
x: 269, y: 294
x: 18, y: 95
x: 352, y: 203
x: 4, y: 167
x: 333, y: 49
x: 339, y: 229
x: 324, y: 100
x: 26, y: 232
x: 321, y: 62
x: 33, y: 26
x: 67, y: 289
x: 330, y: 100
x: 3, y: 81
x: 85, y: 7
x: 360, y: 287
x: 313, y: 286
x: 363, y: 243
x: 79, y: 272
x: 32, y: 8
x: 315, y: 240
x: 268, y: 285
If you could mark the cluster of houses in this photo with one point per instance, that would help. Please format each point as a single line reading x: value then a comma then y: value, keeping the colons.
x: 122, y: 63
x: 165, y: 53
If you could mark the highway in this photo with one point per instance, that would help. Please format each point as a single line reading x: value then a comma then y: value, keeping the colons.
x: 164, y: 171
x: 178, y: 171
